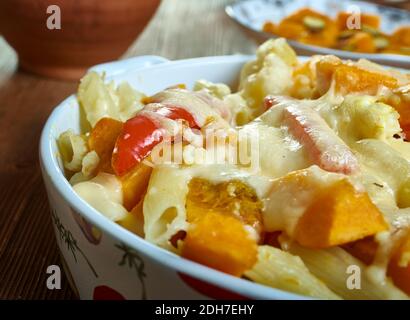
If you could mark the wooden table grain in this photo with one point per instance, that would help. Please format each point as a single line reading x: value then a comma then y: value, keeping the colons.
x: 180, y: 29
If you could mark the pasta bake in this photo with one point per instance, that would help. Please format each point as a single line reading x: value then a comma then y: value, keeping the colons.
x: 298, y: 178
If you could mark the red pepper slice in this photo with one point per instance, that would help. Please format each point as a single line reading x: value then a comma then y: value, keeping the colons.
x: 140, y: 135
x: 177, y: 113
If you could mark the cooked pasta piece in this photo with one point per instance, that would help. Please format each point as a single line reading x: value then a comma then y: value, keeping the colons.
x: 274, y: 60
x: 73, y: 147
x: 332, y: 267
x: 219, y: 90
x: 279, y: 269
x: 89, y: 167
x: 164, y: 205
x: 103, y: 193
x: 100, y: 100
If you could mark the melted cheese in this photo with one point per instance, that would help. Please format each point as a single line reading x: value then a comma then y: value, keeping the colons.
x: 103, y: 193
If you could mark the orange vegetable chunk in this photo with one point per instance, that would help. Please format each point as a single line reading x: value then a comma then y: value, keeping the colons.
x: 365, y: 19
x: 361, y: 42
x: 339, y: 215
x: 232, y: 198
x: 220, y: 242
x: 399, y: 267
x: 102, y: 140
x: 134, y: 184
x: 349, y: 78
x: 295, y: 27
x: 290, y: 30
x: 401, y: 37
x: 269, y: 27
x: 325, y: 68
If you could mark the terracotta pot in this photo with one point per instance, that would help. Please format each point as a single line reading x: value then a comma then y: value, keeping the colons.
x: 92, y: 31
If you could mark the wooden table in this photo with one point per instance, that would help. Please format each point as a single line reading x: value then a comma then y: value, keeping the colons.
x: 27, y: 244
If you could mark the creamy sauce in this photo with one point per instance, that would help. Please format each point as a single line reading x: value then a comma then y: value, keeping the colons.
x: 103, y: 193
x: 200, y: 109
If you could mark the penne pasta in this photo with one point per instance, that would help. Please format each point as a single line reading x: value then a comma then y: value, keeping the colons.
x: 282, y: 270
x: 332, y: 267
x: 73, y: 148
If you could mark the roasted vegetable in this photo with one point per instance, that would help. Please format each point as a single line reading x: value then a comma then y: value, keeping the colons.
x: 220, y: 242
x: 102, y: 140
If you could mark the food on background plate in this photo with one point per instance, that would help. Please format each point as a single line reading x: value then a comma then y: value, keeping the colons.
x: 360, y: 33
x: 288, y: 181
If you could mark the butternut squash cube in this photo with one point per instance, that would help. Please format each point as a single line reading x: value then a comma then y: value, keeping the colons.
x: 102, y: 140
x: 350, y: 79
x: 325, y: 68
x: 134, y: 185
x: 232, y: 198
x: 365, y: 20
x: 339, y: 215
x: 399, y: 266
x: 361, y: 42
x: 220, y: 242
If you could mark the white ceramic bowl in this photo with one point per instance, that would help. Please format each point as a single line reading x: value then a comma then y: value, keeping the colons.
x: 104, y: 260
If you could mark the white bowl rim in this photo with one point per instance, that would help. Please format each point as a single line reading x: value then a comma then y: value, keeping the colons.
x: 50, y: 167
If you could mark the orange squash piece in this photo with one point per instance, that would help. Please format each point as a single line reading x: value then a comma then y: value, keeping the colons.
x: 339, y: 215
x: 361, y: 42
x: 102, y: 140
x: 365, y: 19
x: 232, y: 198
x: 134, y: 184
x: 289, y: 30
x: 269, y: 27
x: 402, y: 106
x: 325, y: 69
x: 399, y: 273
x: 220, y: 242
x: 349, y: 78
x: 304, y: 82
x: 401, y: 37
x: 294, y: 27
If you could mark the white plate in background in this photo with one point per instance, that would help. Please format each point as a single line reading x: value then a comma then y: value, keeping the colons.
x: 252, y: 14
